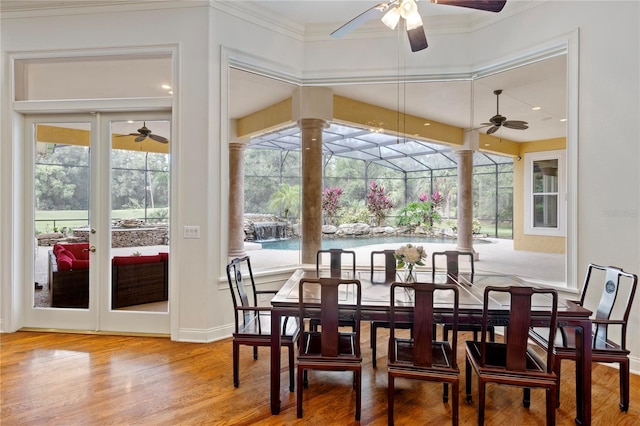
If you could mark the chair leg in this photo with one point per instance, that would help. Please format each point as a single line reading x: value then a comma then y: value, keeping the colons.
x: 390, y: 396
x: 301, y: 371
x: 255, y: 352
x: 455, y: 403
x: 468, y: 381
x: 624, y: 385
x: 551, y: 406
x: 374, y: 336
x: 236, y: 367
x: 481, y: 401
x: 558, y: 369
x: 358, y: 374
x: 492, y: 334
x: 445, y: 393
x: 292, y: 363
x: 526, y: 397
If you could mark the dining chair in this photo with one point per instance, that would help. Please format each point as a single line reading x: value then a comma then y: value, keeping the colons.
x: 332, y: 348
x: 514, y: 362
x: 253, y: 322
x: 389, y: 277
x: 421, y: 357
x: 335, y: 267
x: 453, y: 271
x: 616, y: 290
x: 336, y: 256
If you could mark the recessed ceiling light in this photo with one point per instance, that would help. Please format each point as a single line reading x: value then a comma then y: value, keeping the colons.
x: 166, y: 87
x: 170, y: 92
x: 536, y: 108
x: 563, y: 119
x: 487, y: 144
x: 427, y: 124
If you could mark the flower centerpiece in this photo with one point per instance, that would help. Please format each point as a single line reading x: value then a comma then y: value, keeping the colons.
x: 407, y: 257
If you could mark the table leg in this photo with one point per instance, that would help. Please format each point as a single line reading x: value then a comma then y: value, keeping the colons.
x: 583, y: 373
x: 275, y: 361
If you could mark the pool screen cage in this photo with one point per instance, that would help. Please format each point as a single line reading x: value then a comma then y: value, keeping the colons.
x: 406, y: 168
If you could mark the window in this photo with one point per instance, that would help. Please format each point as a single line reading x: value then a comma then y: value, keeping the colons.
x: 544, y: 193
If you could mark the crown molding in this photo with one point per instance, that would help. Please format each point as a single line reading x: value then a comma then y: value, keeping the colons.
x: 26, y: 9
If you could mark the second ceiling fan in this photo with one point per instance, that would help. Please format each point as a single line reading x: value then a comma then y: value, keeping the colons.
x: 408, y: 10
x: 499, y: 120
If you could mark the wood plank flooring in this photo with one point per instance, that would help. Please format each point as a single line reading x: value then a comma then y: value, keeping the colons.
x: 89, y: 379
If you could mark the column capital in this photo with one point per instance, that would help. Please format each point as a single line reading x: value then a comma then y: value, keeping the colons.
x: 312, y: 123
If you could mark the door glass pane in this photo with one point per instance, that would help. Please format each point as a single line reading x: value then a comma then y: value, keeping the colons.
x: 61, y: 228
x: 140, y: 215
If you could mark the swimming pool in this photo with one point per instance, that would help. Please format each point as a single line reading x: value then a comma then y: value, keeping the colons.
x: 294, y: 243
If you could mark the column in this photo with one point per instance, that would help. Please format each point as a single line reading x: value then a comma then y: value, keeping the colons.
x: 236, y: 199
x: 311, y: 129
x: 465, y: 201
x: 312, y: 109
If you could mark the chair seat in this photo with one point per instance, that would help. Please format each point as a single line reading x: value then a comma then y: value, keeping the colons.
x: 312, y: 344
x: 441, y: 353
x: 598, y: 344
x: 496, y: 358
x: 260, y: 326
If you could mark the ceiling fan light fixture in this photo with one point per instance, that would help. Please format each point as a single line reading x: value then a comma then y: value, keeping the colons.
x: 413, y: 21
x: 391, y: 18
x: 408, y: 8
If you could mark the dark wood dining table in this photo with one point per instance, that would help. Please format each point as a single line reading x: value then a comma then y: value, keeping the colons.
x: 375, y: 305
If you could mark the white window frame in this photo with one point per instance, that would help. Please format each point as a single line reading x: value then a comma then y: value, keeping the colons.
x: 529, y: 159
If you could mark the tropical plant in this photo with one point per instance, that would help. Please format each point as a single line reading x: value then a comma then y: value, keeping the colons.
x: 331, y: 203
x: 421, y: 212
x: 286, y: 200
x: 355, y: 212
x: 378, y: 203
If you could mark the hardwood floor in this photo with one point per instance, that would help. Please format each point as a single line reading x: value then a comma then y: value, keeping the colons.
x: 88, y: 379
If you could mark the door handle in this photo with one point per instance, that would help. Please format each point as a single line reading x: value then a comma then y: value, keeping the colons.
x: 92, y: 249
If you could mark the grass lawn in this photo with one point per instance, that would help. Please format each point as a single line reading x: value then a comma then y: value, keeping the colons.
x: 55, y: 220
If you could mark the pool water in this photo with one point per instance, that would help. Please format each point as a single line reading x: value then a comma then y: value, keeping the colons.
x: 343, y: 243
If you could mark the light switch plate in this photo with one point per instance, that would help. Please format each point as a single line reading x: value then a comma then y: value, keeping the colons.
x: 192, y: 232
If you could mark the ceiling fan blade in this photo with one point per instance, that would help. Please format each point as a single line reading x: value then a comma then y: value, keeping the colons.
x: 160, y: 139
x: 362, y: 18
x: 492, y: 129
x: 417, y: 39
x: 516, y: 124
x: 139, y: 138
x: 487, y: 5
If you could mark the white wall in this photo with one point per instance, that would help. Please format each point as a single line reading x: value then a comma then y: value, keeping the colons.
x: 608, y: 151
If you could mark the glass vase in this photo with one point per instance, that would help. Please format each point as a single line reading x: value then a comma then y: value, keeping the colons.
x: 408, y: 276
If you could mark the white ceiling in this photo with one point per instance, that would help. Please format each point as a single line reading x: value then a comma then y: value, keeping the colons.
x: 540, y: 84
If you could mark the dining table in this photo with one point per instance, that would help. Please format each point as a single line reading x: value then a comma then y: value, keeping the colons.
x: 375, y: 305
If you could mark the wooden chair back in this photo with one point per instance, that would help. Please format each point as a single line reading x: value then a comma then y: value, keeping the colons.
x: 518, y: 326
x: 239, y: 295
x: 335, y: 262
x: 616, y: 293
x: 389, y: 265
x: 331, y: 290
x: 424, y: 316
x: 453, y: 264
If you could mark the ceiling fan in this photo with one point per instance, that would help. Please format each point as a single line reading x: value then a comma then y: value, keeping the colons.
x: 498, y: 120
x: 408, y: 10
x: 144, y: 132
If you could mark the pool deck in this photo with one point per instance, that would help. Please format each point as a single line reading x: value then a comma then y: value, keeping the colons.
x: 498, y: 256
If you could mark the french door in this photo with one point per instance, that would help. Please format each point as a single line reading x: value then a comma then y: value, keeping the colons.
x: 99, y: 221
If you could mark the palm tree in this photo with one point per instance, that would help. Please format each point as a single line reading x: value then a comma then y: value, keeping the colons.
x: 286, y: 200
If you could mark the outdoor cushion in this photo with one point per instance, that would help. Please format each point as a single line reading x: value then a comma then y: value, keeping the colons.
x: 79, y: 250
x: 164, y: 256
x: 64, y: 260
x: 135, y: 260
x: 79, y: 264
